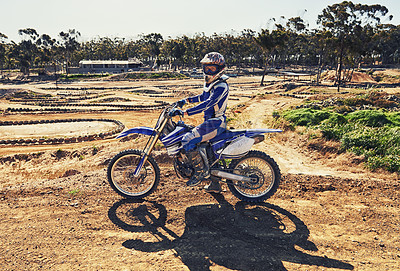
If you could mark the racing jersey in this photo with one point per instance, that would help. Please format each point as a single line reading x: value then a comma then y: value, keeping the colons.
x: 213, y: 100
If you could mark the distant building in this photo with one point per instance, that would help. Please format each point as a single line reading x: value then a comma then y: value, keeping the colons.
x: 107, y: 66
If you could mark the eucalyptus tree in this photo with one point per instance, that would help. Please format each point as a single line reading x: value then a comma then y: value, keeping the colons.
x: 88, y: 49
x: 232, y: 49
x: 3, y: 47
x: 270, y: 41
x: 344, y: 21
x: 297, y: 44
x: 361, y: 48
x: 190, y: 56
x: 131, y: 49
x: 151, y: 46
x: 47, y: 47
x: 26, y: 52
x: 393, y: 42
x: 248, y: 50
x: 69, y: 44
x: 119, y: 47
x: 105, y: 48
x: 173, y: 51
x: 322, y: 44
x: 386, y: 44
x: 201, y: 46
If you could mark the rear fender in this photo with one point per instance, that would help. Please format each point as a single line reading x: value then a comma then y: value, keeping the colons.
x: 240, y: 142
x: 256, y: 132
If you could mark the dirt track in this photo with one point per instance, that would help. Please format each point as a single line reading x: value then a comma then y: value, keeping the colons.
x: 312, y: 222
x: 58, y: 212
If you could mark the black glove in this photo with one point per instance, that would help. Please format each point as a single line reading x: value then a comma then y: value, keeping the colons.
x: 181, y: 103
x: 175, y: 112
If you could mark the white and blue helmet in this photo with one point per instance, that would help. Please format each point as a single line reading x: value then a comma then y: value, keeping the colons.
x: 213, y: 65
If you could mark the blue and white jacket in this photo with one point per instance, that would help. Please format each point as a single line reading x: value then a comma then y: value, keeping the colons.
x: 214, y: 100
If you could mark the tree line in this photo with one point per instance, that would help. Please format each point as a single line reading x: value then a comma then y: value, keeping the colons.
x: 347, y: 35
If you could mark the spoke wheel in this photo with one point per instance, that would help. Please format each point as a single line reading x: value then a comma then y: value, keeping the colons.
x: 122, y: 179
x: 263, y: 171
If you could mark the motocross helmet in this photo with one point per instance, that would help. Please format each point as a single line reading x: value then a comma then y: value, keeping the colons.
x: 213, y: 65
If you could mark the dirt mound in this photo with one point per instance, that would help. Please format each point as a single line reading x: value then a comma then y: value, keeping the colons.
x: 357, y: 77
x: 387, y: 76
x: 8, y: 92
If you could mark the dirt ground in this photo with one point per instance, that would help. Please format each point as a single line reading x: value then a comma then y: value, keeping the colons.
x: 58, y: 212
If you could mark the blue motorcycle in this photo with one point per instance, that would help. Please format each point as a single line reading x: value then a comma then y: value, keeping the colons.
x: 249, y: 174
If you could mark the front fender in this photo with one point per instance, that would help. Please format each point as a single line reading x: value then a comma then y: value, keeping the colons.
x: 137, y: 130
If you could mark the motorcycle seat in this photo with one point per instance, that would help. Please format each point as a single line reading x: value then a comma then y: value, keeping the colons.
x: 228, y: 134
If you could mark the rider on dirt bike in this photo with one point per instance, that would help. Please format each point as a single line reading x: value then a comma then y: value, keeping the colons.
x: 206, y: 151
x: 212, y: 102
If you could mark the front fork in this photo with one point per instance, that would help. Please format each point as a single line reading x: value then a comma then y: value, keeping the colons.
x: 149, y: 148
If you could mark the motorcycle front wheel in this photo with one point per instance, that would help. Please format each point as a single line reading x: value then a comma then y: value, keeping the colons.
x: 121, y: 177
x: 262, y: 169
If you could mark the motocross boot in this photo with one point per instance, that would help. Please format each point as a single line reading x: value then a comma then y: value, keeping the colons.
x: 213, y: 187
x: 202, y: 169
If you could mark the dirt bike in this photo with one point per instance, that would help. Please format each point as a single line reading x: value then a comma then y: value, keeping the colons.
x: 249, y: 174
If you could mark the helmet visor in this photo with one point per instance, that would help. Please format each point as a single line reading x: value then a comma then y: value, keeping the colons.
x: 210, y: 69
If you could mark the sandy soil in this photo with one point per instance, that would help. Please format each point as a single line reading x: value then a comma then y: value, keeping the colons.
x: 357, y: 77
x: 59, y: 213
x: 67, y: 129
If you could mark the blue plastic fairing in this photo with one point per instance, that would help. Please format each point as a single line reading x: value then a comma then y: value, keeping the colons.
x: 137, y: 130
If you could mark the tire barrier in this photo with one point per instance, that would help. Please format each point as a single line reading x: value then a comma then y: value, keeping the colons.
x: 243, y: 96
x: 54, y: 108
x: 319, y: 93
x: 169, y: 87
x: 102, y: 105
x: 162, y: 96
x: 56, y: 99
x: 85, y: 90
x: 61, y: 140
x: 292, y: 96
x: 71, y: 95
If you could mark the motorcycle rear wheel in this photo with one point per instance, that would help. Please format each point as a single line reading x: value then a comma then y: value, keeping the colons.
x: 263, y: 169
x: 120, y: 174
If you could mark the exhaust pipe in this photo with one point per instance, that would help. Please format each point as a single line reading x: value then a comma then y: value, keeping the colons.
x: 230, y: 176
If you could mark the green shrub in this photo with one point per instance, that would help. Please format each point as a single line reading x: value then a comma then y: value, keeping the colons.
x: 336, y: 119
x: 384, y: 140
x: 390, y: 163
x: 335, y: 132
x: 365, y: 139
x: 371, y: 133
x: 381, y: 146
x: 394, y: 118
x: 355, y: 101
x: 306, y: 116
x: 371, y: 118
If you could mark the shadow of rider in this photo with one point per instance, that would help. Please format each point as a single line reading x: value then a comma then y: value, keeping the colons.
x: 241, y: 237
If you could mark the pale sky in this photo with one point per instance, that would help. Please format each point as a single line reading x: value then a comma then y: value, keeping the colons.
x: 129, y: 18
